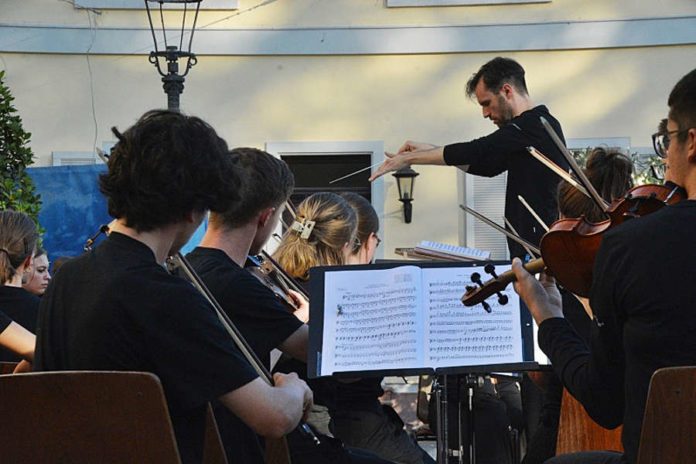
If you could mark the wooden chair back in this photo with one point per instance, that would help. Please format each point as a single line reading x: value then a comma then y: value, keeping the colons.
x: 213, y: 449
x: 578, y: 432
x: 669, y: 425
x: 7, y: 367
x: 85, y: 417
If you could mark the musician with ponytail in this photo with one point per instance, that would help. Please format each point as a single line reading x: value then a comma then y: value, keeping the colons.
x: 18, y: 308
x: 333, y: 230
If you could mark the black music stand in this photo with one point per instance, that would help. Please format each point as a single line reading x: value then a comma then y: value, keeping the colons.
x: 319, y: 341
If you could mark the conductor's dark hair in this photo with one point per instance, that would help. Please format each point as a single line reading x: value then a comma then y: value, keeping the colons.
x: 166, y: 166
x: 682, y: 104
x: 609, y: 172
x: 496, y: 73
x: 265, y: 182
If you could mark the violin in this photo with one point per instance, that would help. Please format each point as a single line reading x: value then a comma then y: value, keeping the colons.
x: 269, y: 276
x: 569, y: 248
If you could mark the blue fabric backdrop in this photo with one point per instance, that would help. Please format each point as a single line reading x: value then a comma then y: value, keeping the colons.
x: 73, y: 208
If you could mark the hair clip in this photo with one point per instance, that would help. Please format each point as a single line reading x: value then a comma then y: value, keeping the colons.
x: 303, y: 228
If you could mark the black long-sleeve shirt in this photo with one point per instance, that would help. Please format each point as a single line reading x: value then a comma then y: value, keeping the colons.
x: 505, y: 150
x: 645, y: 318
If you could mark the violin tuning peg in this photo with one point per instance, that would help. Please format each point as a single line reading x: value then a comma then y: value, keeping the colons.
x: 486, y: 306
x: 470, y: 288
x: 502, y: 299
x: 489, y: 269
x: 476, y: 278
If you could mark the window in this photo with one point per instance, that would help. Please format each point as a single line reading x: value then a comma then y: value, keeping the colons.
x: 316, y: 164
x: 74, y: 158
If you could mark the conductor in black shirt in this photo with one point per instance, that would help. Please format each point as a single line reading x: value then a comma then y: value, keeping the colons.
x: 116, y: 307
x: 642, y: 298
x: 500, y: 88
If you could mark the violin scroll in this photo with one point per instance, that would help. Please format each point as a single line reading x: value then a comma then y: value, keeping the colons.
x: 475, y: 295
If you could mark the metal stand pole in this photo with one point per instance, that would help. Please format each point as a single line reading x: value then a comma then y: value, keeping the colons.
x: 440, y: 388
x: 472, y: 382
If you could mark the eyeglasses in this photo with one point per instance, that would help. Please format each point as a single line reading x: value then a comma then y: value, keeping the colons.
x: 661, y: 141
x: 379, y: 240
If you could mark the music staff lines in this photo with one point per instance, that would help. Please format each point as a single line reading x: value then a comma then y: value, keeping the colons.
x: 375, y: 320
x: 379, y: 303
x: 476, y: 340
x: 381, y: 295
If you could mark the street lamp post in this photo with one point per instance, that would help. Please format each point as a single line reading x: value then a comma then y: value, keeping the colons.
x: 172, y: 80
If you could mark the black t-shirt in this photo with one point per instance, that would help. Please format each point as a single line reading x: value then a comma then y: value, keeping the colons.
x: 4, y: 321
x: 643, y: 300
x: 21, y: 307
x: 263, y: 321
x: 115, y: 308
x: 505, y: 150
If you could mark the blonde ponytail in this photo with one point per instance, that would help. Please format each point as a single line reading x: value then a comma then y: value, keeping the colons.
x: 325, y: 223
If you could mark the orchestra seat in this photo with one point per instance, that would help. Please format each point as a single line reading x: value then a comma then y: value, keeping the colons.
x: 7, y: 367
x: 87, y: 417
x: 668, y: 435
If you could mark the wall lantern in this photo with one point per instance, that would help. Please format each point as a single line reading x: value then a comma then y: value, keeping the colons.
x: 405, y: 178
x: 173, y: 82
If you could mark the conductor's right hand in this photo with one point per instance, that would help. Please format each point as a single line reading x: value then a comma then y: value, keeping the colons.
x: 409, y: 153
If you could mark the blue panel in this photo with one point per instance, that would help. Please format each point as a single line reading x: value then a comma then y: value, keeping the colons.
x: 73, y: 209
x: 72, y: 206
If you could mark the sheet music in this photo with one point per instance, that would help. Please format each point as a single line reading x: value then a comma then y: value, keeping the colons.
x: 454, y: 250
x: 372, y: 320
x: 408, y: 317
x: 460, y: 336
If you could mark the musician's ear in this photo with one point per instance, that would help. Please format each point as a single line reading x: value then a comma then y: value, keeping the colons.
x: 347, y: 251
x: 691, y: 145
x: 265, y: 216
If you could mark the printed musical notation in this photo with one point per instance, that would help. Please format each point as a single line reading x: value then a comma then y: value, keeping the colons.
x: 375, y: 321
x: 410, y: 317
x: 456, y: 334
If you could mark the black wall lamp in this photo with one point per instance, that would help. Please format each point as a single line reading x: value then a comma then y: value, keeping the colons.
x: 405, y: 178
x: 172, y: 81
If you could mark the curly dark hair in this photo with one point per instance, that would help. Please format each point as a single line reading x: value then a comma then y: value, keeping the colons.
x: 682, y: 104
x: 166, y: 166
x: 496, y: 73
x: 265, y: 182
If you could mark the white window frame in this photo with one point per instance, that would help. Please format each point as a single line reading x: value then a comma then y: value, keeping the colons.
x: 373, y: 148
x: 76, y: 158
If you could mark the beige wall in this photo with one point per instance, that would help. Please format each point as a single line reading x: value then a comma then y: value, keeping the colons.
x: 356, y: 13
x: 252, y: 100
